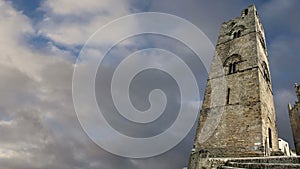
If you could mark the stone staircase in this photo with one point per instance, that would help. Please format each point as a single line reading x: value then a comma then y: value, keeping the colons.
x: 261, y: 163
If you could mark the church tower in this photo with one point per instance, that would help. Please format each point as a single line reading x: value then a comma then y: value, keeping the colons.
x: 238, y: 118
x: 294, y: 112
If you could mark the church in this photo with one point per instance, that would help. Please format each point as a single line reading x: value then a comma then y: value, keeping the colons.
x: 238, y: 120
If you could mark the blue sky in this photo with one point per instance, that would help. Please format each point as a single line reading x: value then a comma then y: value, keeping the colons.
x: 41, y: 39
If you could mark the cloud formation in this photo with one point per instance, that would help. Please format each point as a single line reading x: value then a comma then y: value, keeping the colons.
x: 38, y: 124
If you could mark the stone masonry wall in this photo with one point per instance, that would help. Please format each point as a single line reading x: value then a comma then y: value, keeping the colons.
x: 239, y: 105
x: 295, y: 120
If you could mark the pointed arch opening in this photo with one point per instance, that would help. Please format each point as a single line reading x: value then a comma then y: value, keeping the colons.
x: 232, y: 63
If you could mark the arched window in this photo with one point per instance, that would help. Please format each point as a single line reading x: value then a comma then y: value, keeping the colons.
x: 236, y: 34
x: 231, y: 63
x: 237, y: 30
x: 239, y: 33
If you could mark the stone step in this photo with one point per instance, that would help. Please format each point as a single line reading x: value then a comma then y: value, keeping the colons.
x: 264, y: 165
x: 228, y: 167
x: 293, y: 160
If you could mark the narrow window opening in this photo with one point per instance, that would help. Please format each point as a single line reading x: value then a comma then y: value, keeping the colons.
x: 266, y: 72
x: 238, y: 34
x: 232, y: 68
x: 266, y: 77
x: 228, y: 96
x: 270, y: 138
x: 262, y: 43
x: 246, y: 11
x: 234, y: 35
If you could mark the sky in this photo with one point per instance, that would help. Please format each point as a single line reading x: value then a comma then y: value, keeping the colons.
x: 41, y: 40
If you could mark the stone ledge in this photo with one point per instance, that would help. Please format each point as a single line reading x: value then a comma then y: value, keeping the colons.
x: 278, y: 162
x: 263, y: 165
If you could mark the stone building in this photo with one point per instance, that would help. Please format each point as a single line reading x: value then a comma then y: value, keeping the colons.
x: 238, y: 117
x: 284, y: 147
x: 295, y: 120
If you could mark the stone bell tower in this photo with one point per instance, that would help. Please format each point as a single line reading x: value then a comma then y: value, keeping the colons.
x: 238, y: 117
x: 294, y: 112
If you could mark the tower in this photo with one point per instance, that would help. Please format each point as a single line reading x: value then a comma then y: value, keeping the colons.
x: 294, y: 113
x: 243, y: 93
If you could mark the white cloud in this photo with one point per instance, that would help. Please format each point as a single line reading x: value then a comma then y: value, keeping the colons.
x: 25, y: 73
x: 73, y: 22
x: 38, y: 125
x: 77, y: 8
x: 15, y: 52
